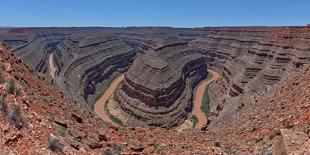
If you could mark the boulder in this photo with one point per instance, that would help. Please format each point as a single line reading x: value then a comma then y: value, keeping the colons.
x: 289, y: 142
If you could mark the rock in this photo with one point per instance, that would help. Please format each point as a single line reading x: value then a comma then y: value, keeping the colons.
x: 60, y: 121
x: 77, y: 118
x: 77, y: 134
x: 102, y: 136
x: 7, y: 151
x: 74, y: 143
x: 278, y: 146
x: 93, y: 144
x: 12, y: 138
x: 289, y: 142
x: 137, y: 148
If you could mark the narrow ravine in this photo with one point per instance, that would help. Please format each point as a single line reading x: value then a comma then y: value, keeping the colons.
x: 100, y: 103
x: 202, y: 119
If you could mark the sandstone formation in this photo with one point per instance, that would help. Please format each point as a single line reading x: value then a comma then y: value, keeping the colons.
x: 158, y: 87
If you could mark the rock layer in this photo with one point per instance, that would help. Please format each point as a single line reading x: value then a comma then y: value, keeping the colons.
x: 157, y: 89
x: 84, y: 62
x: 251, y: 60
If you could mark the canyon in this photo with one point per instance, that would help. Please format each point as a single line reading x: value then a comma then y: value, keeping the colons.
x: 250, y: 61
x: 161, y: 67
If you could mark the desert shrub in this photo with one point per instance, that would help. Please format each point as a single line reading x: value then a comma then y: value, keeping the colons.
x: 16, y: 118
x: 18, y: 91
x: 3, y: 107
x: 55, y: 145
x: 10, y: 86
x: 62, y: 131
x: 194, y: 119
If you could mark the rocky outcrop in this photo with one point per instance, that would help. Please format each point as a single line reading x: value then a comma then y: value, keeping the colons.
x: 158, y: 87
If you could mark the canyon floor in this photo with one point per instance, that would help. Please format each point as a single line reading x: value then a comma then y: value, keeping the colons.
x: 202, y: 119
x: 99, y: 107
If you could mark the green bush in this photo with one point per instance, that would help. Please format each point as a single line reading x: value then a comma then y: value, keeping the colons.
x: 194, y: 119
x: 63, y: 131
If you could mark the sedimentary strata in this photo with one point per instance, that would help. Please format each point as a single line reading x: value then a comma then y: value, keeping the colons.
x: 158, y: 87
x: 84, y: 63
x: 251, y: 62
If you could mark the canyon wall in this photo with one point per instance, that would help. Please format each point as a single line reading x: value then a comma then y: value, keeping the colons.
x: 250, y: 60
x: 84, y: 62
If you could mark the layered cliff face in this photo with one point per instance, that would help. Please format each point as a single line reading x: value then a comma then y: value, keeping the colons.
x: 251, y: 62
x: 81, y: 64
x: 36, y: 119
x: 158, y: 87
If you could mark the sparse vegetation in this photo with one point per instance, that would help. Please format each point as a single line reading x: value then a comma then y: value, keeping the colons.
x: 194, y: 119
x: 62, y: 131
x: 116, y: 120
x: 16, y: 118
x: 115, y: 149
x: 154, y: 148
x: 55, y: 145
x: 205, y: 106
x: 18, y: 91
x: 10, y: 88
x: 113, y: 118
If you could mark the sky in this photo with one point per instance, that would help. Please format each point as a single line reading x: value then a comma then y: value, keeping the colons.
x: 173, y: 13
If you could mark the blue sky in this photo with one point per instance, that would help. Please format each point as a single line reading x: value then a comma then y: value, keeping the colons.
x: 175, y: 13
